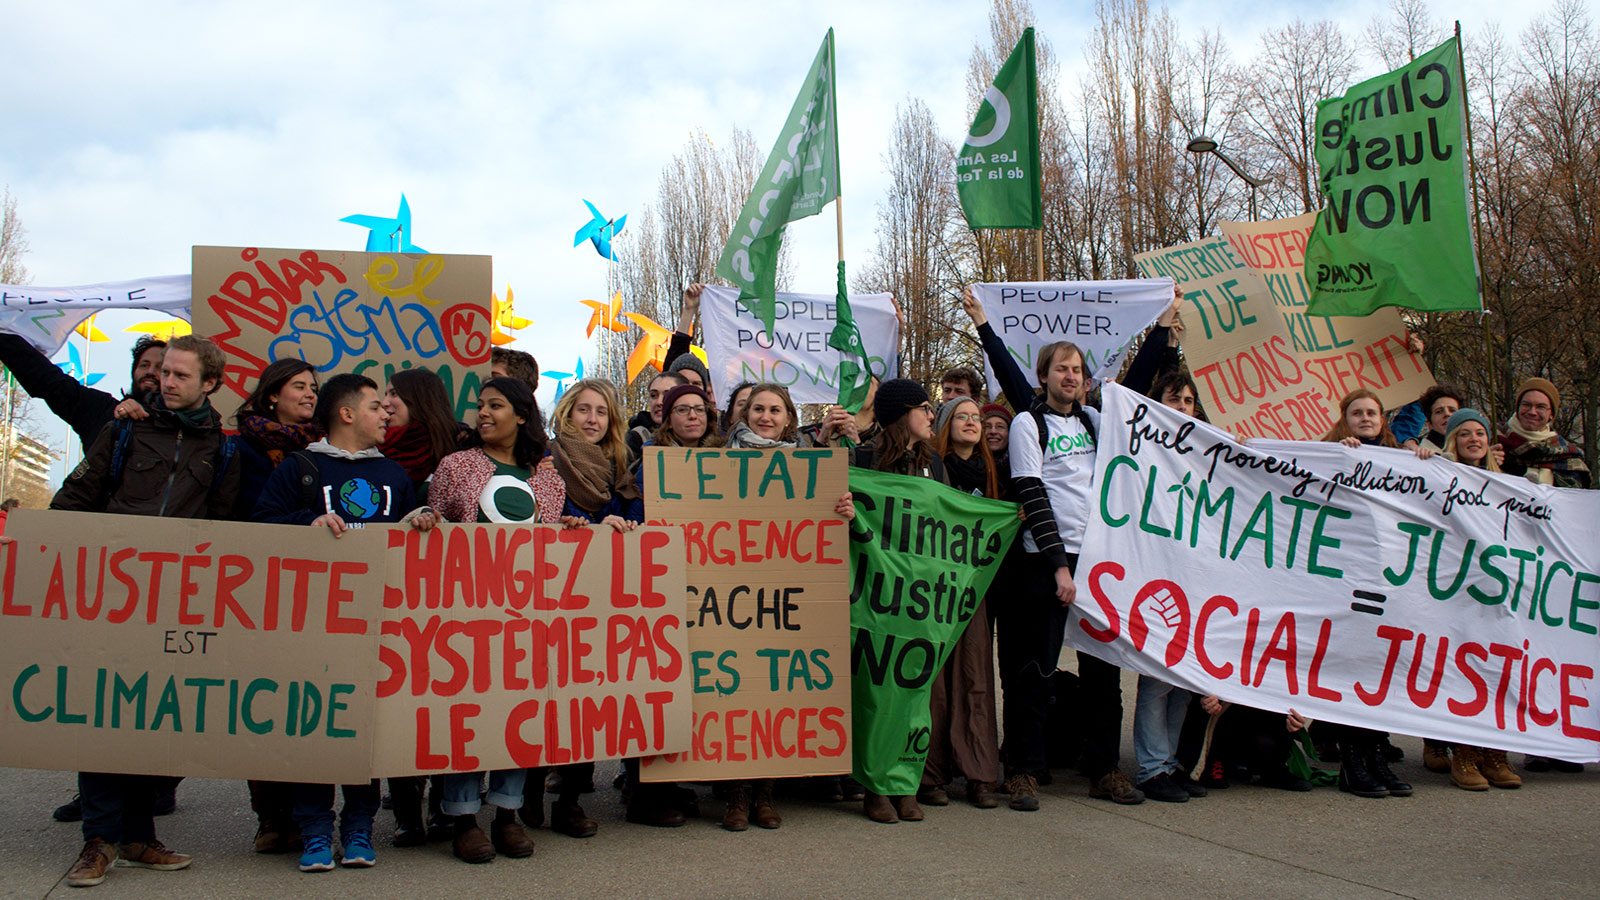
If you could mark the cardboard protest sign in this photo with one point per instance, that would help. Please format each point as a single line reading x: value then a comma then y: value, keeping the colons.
x: 1341, y: 353
x: 1101, y: 317
x: 371, y: 313
x: 45, y: 316
x: 512, y: 646
x: 767, y: 609
x: 923, y: 556
x: 1263, y: 367
x: 183, y: 647
x: 1362, y: 586
x: 796, y: 354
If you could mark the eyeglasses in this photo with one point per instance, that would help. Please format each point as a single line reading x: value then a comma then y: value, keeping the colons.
x: 927, y: 408
x: 968, y: 417
x: 687, y: 411
x: 1534, y: 407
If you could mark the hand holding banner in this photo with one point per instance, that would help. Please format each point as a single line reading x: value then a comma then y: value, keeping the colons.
x: 1101, y: 317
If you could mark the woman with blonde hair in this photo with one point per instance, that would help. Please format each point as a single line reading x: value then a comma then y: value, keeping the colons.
x: 1469, y: 442
x: 769, y: 420
x: 1363, y: 768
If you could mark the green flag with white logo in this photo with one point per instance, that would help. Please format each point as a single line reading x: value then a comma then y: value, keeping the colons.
x: 997, y: 173
x: 1395, y: 227
x: 800, y: 178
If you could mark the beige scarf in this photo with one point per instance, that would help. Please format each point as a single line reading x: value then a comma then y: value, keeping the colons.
x: 592, y: 478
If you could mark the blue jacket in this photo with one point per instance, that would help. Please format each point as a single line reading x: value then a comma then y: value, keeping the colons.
x: 360, y: 488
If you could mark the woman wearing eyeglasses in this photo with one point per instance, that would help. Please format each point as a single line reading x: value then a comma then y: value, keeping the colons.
x: 965, y: 737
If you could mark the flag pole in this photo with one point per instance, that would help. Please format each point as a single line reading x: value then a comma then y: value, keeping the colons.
x: 1477, y: 229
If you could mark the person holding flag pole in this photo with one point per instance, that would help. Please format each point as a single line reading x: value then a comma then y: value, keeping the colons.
x: 801, y: 176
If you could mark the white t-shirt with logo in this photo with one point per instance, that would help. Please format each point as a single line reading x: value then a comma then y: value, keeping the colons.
x: 1066, y: 467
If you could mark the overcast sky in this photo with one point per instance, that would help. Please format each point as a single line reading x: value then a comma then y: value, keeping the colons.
x: 137, y: 131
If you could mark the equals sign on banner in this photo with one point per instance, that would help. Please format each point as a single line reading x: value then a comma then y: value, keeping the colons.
x: 1367, y: 607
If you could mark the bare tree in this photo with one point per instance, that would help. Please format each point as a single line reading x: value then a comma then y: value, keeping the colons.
x: 1299, y: 65
x: 1409, y: 30
x: 13, y: 242
x: 678, y: 239
x: 914, y: 259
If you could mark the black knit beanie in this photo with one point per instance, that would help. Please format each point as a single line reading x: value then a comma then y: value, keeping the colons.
x: 896, y: 397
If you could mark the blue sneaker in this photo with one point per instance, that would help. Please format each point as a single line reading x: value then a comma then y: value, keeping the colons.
x: 318, y: 855
x: 358, y: 849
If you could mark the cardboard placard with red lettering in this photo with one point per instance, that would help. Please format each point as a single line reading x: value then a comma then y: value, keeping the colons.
x: 767, y: 609
x: 370, y: 313
x: 182, y: 647
x: 1343, y: 353
x: 512, y: 646
x: 1358, y: 585
x: 1263, y: 367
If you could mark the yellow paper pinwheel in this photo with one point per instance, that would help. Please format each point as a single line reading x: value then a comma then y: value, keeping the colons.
x: 88, y: 332
x: 609, y: 317
x: 164, y: 331
x: 652, y: 348
x: 505, y: 319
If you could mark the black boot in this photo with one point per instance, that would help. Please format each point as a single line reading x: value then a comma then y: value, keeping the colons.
x: 1354, y: 778
x: 1378, y: 767
x: 407, y: 802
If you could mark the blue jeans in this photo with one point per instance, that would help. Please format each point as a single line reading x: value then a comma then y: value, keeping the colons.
x: 1157, y: 721
x: 461, y: 791
x: 313, y: 808
x: 118, y: 808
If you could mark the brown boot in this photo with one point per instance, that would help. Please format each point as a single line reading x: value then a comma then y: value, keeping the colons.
x: 981, y: 795
x: 471, y: 844
x: 568, y: 818
x: 1436, y: 757
x: 737, y: 816
x: 90, y: 869
x: 879, y: 809
x: 1464, y: 769
x: 1497, y: 769
x: 933, y: 795
x: 764, y: 813
x: 509, y: 839
x: 907, y: 808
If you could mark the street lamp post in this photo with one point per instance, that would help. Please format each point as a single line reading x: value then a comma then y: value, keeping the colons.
x: 1202, y: 144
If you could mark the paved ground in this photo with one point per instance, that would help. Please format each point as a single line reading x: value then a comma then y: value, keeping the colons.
x: 1245, y: 842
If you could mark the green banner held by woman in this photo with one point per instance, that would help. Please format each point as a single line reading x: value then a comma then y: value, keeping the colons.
x: 921, y: 558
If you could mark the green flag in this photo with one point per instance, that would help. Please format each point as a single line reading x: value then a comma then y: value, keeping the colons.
x: 921, y: 559
x: 800, y: 178
x: 854, y: 376
x: 1395, y: 227
x: 997, y: 174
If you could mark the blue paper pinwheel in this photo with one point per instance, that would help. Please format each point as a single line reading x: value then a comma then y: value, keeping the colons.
x: 388, y: 235
x: 74, y: 366
x: 561, y: 377
x: 599, y: 231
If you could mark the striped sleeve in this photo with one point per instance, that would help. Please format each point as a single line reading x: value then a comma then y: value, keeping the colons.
x: 1041, y: 520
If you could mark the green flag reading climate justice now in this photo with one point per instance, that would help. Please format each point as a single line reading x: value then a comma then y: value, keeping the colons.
x: 1395, y: 228
x: 997, y: 174
x: 800, y: 178
x: 921, y: 559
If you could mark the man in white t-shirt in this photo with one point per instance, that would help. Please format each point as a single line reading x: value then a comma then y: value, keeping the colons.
x: 1053, y: 476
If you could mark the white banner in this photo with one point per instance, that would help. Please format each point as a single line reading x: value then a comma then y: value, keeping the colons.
x: 1101, y: 317
x: 44, y: 316
x: 1362, y: 586
x: 797, y: 354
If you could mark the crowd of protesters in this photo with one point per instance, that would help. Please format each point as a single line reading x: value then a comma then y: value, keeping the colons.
x: 163, y: 450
